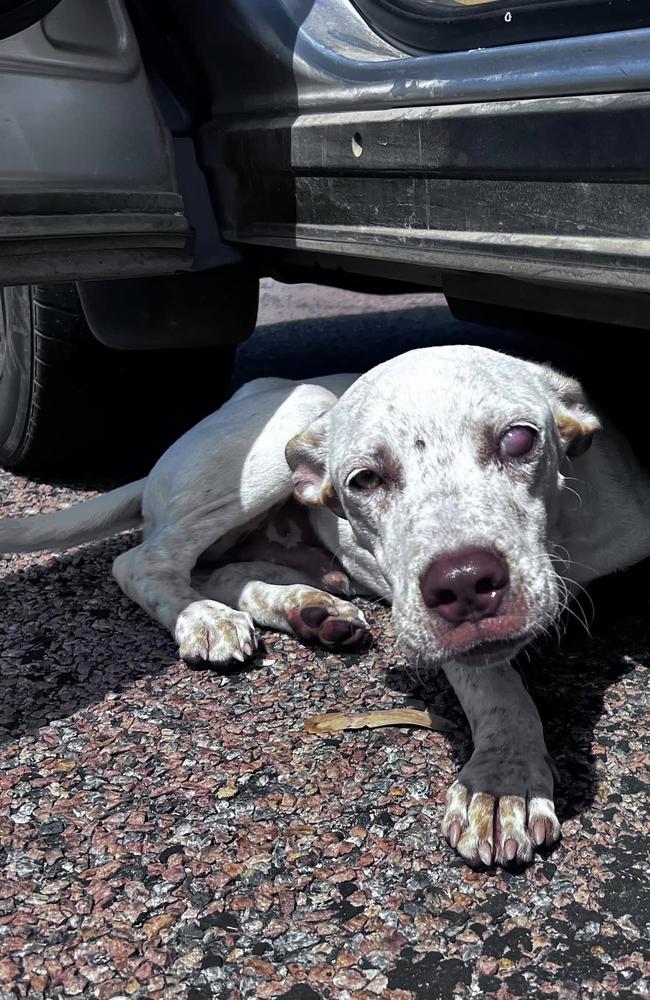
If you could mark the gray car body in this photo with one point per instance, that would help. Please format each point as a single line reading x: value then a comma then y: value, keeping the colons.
x: 523, y: 160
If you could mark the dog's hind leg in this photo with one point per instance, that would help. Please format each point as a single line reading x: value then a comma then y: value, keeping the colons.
x: 223, y: 475
x: 156, y: 575
x: 281, y: 598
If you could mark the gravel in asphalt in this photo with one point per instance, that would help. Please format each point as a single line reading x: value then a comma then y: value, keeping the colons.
x: 168, y: 832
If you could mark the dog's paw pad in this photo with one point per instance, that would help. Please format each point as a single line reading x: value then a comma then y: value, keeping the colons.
x: 330, y: 621
x: 208, y: 632
x: 488, y: 830
x: 313, y: 615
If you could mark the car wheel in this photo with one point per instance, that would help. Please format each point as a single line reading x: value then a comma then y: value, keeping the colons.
x: 70, y: 405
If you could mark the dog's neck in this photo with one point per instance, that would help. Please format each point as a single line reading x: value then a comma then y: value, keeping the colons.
x: 604, y: 516
x: 337, y: 537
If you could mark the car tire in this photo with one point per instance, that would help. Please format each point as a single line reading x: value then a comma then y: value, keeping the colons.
x: 72, y: 406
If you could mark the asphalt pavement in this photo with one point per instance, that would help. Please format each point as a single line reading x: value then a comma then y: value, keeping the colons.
x: 168, y: 832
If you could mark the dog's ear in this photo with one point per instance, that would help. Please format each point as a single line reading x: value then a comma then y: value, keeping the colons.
x: 306, y: 455
x: 576, y: 421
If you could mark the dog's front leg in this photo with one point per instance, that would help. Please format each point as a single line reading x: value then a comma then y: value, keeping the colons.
x: 285, y: 599
x: 501, y: 806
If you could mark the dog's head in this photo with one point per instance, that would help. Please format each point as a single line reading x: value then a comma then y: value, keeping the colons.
x: 447, y: 463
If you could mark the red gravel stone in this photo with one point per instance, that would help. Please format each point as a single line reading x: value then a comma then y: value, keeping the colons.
x: 9, y: 971
x: 257, y: 967
x: 321, y: 974
x: 348, y: 979
x: 487, y: 966
x: 271, y: 989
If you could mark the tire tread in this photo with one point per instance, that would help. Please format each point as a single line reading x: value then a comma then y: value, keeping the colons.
x: 93, y: 407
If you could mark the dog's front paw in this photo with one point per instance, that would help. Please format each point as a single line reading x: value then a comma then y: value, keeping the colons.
x: 487, y: 829
x: 500, y: 809
x: 323, y: 618
x: 206, y: 631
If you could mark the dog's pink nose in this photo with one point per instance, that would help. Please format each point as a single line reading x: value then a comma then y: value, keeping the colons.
x: 465, y: 586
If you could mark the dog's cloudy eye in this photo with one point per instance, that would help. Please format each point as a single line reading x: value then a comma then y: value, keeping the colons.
x: 518, y: 441
x: 365, y: 479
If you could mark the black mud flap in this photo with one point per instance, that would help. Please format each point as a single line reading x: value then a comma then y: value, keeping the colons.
x: 213, y: 308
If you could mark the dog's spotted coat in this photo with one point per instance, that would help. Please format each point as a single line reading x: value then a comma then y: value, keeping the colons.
x: 455, y: 482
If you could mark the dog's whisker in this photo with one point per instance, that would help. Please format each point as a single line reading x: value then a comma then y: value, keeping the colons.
x: 567, y: 583
x: 587, y: 596
x: 569, y: 489
x: 581, y: 618
x: 556, y: 546
x: 568, y: 561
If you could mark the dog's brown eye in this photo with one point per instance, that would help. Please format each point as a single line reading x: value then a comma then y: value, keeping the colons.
x: 365, y: 479
x: 518, y: 441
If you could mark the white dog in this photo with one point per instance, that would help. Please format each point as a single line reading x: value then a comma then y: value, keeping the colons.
x: 440, y: 481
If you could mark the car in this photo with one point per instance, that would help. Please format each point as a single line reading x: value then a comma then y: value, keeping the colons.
x: 159, y: 156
